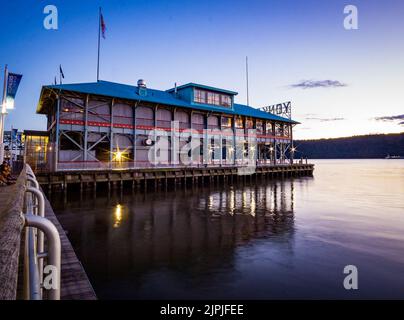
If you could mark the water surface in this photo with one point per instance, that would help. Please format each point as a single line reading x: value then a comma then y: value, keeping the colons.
x: 269, y: 239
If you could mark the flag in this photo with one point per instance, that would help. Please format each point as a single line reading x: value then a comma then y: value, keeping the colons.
x: 13, y: 81
x: 102, y: 25
x: 14, y: 133
x: 61, y: 71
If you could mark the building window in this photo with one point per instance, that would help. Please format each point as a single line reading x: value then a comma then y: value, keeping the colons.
x: 239, y: 123
x: 200, y: 96
x: 259, y: 126
x: 269, y: 128
x: 209, y: 97
x: 226, y: 122
x: 279, y: 129
x: 216, y: 99
x: 225, y: 101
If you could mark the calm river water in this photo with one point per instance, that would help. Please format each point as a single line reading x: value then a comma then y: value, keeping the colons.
x: 264, y: 240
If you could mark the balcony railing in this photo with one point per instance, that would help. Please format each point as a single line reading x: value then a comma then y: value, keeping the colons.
x: 128, y: 165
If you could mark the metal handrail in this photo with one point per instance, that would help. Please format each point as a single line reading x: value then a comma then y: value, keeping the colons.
x: 38, y: 227
x: 39, y: 210
x: 53, y: 255
x: 32, y: 287
x: 33, y: 181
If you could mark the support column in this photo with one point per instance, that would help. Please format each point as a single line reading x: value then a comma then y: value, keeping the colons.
x: 111, y: 134
x: 234, y: 139
x: 57, y: 132
x: 155, y: 134
x: 85, y: 149
x: 221, y: 141
x: 206, y: 141
x: 134, y: 133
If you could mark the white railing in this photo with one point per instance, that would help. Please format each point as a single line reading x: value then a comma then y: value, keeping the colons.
x: 128, y: 165
x: 37, y: 228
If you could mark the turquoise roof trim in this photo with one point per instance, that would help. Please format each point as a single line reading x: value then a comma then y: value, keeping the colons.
x: 124, y: 91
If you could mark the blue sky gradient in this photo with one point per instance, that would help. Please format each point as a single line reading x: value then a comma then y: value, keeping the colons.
x: 287, y: 42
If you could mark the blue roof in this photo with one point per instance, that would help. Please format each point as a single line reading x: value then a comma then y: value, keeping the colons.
x: 202, y: 86
x: 124, y: 91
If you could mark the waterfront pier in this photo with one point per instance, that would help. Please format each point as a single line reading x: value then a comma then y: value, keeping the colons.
x: 163, y: 177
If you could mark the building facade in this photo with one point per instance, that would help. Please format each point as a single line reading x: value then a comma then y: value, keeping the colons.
x: 106, y: 125
x: 36, y: 149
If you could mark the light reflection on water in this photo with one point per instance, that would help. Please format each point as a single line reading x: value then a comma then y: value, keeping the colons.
x: 268, y: 239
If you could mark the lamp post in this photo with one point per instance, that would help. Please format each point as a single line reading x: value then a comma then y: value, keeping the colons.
x: 292, y: 154
x: 3, y: 115
x: 271, y: 155
x: 11, y: 83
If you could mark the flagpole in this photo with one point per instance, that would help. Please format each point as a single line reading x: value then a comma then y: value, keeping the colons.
x: 99, y: 35
x: 3, y: 115
x: 246, y: 72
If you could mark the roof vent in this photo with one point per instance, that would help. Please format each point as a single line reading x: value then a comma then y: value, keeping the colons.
x: 141, y: 83
x: 141, y: 87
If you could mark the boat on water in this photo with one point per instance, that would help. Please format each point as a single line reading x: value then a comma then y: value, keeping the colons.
x: 394, y: 157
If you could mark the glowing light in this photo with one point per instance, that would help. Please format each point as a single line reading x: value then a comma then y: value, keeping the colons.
x: 118, y: 156
x: 271, y: 149
x: 210, y: 202
x: 117, y: 216
x: 232, y: 202
x: 38, y: 148
x: 244, y: 199
x: 253, y: 204
x: 10, y: 104
x: 293, y: 149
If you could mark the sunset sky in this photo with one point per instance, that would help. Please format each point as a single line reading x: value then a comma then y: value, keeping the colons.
x: 341, y: 82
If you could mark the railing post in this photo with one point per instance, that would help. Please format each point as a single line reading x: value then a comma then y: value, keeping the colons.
x: 54, y: 249
x: 40, y: 210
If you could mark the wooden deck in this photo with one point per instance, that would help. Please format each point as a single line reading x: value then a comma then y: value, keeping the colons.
x: 11, y: 226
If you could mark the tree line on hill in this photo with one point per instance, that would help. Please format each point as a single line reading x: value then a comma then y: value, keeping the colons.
x: 356, y: 147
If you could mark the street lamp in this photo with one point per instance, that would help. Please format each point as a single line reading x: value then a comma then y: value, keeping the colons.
x: 292, y: 155
x: 11, y: 82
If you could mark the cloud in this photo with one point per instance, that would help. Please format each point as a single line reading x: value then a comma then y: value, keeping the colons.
x: 325, y: 119
x: 310, y: 84
x: 391, y: 118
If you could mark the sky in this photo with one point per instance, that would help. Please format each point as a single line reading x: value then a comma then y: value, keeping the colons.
x: 340, y: 82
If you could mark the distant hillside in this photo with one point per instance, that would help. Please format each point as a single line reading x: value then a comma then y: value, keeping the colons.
x: 369, y: 146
